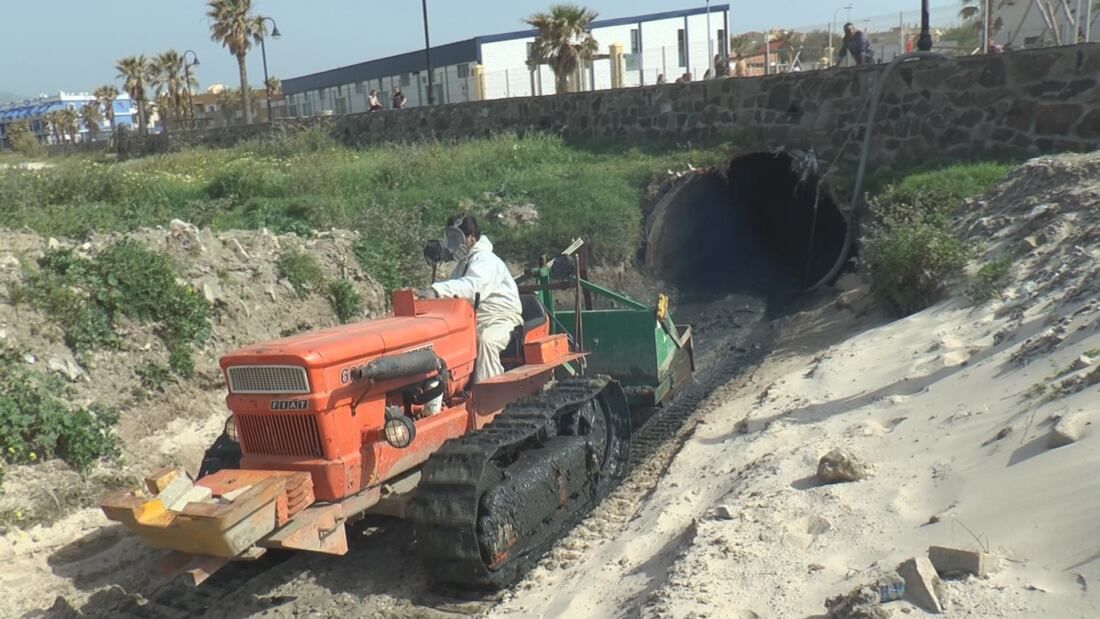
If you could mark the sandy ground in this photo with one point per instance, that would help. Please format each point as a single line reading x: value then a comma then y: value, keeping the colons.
x: 953, y: 408
x: 945, y: 405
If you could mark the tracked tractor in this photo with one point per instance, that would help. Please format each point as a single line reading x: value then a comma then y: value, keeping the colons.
x: 381, y: 417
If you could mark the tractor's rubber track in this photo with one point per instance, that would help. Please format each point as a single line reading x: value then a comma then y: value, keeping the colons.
x: 448, y: 507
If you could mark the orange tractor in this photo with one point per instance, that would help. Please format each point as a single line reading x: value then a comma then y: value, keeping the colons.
x: 380, y: 417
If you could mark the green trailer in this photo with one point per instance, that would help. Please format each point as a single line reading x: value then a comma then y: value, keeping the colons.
x: 638, y: 345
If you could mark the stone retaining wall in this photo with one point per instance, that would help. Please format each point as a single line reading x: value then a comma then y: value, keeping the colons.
x: 1021, y: 103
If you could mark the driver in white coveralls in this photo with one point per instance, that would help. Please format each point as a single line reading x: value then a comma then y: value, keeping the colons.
x: 480, y: 275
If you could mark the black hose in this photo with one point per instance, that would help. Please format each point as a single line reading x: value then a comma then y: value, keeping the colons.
x: 853, y: 211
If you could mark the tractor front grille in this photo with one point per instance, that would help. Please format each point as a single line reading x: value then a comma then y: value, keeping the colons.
x: 279, y: 435
x: 267, y: 379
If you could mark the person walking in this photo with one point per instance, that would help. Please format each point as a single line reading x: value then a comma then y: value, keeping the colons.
x: 398, y: 99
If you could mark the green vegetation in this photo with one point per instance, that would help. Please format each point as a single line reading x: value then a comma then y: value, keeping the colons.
x: 35, y: 423
x: 912, y: 252
x: 344, y: 299
x: 395, y: 195
x: 22, y: 141
x: 88, y: 296
x: 989, y: 280
x: 153, y: 377
x: 301, y: 270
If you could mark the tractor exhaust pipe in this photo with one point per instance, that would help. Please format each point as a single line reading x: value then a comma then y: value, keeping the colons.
x: 398, y: 366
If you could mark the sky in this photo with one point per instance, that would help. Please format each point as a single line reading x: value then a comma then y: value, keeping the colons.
x: 72, y: 45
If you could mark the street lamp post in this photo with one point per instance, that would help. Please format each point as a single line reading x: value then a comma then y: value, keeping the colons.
x: 428, y: 53
x: 710, y: 45
x: 832, y: 29
x: 187, y: 80
x: 263, y: 52
x: 924, y: 43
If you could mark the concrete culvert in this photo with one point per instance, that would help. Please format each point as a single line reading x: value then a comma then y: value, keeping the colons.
x: 766, y: 225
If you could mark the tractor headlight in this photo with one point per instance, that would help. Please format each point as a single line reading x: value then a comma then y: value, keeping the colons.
x: 231, y: 430
x: 399, y: 431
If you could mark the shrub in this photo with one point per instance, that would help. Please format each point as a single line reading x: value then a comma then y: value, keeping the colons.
x: 124, y: 279
x: 35, y: 424
x: 911, y: 265
x: 989, y: 280
x: 301, y: 270
x: 153, y: 376
x: 22, y: 140
x: 345, y: 300
x: 910, y: 248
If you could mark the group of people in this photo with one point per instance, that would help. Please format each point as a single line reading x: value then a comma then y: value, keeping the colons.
x: 374, y: 101
x: 855, y: 44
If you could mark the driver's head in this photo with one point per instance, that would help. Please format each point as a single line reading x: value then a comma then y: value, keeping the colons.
x: 461, y: 233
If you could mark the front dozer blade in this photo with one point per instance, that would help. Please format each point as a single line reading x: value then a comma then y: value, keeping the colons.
x: 229, y: 515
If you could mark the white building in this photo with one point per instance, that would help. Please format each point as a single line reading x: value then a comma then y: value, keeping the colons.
x: 668, y: 44
x: 1023, y: 24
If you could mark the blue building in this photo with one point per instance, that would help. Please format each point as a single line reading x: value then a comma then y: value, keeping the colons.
x: 33, y: 112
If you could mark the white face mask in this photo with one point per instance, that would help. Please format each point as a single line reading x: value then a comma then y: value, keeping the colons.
x: 461, y: 252
x: 454, y: 240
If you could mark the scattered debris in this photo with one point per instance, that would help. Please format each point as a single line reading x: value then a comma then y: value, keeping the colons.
x: 65, y: 366
x: 923, y: 586
x: 841, y: 465
x: 1069, y: 429
x: 723, y: 512
x: 864, y: 602
x: 1001, y: 435
x: 954, y: 563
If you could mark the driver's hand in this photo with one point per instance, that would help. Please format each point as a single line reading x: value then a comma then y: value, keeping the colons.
x: 427, y: 293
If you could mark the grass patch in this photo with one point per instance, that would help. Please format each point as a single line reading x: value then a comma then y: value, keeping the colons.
x: 394, y: 195
x: 989, y: 281
x: 910, y: 247
x: 88, y: 296
x: 345, y: 300
x: 301, y: 270
x: 36, y: 424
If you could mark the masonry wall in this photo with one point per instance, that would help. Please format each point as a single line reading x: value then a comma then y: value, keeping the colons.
x: 1022, y: 103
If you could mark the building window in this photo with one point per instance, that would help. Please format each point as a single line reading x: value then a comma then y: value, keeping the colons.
x: 358, y: 88
x: 211, y: 109
x: 681, y: 47
x: 292, y: 111
x: 635, y: 41
x: 463, y: 71
x: 406, y: 79
x: 341, y: 106
x: 723, y: 43
x: 307, y: 109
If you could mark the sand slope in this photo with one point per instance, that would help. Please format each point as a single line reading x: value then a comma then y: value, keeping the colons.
x: 945, y: 405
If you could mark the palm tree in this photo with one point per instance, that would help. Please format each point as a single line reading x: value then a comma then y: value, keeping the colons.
x: 134, y: 71
x: 563, y: 41
x: 273, y: 86
x: 52, y: 122
x: 169, y: 83
x: 229, y: 101
x: 106, y: 96
x: 233, y: 24
x: 70, y: 123
x: 92, y: 118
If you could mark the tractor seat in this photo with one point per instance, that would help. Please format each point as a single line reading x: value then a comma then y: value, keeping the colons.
x: 534, y: 318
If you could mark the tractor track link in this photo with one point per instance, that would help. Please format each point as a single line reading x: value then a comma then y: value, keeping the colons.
x: 449, y: 516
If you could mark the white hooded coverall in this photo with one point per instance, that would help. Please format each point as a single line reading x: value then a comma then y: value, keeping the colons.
x: 499, y: 312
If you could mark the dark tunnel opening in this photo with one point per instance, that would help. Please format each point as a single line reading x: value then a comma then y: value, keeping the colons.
x: 766, y: 226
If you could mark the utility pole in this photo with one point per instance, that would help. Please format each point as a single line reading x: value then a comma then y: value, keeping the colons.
x: 710, y: 44
x: 924, y: 43
x: 428, y: 53
x: 987, y: 25
x: 1088, y: 20
x: 187, y: 82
